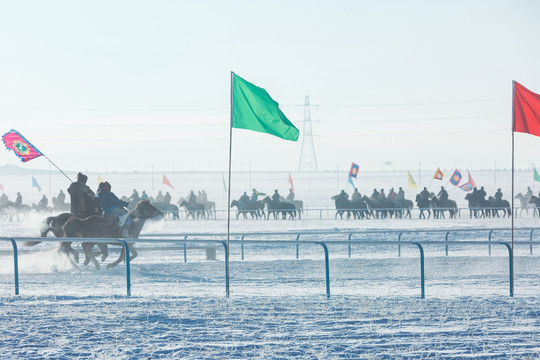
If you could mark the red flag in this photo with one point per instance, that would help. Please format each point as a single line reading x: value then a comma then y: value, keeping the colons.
x: 1, y: 187
x: 20, y: 146
x: 471, y: 181
x: 166, y: 181
x: 291, y: 183
x: 438, y: 174
x: 526, y: 112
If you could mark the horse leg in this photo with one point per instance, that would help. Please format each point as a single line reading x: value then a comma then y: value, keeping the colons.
x: 133, y: 252
x: 104, y: 249
x: 120, y: 258
x: 89, y: 254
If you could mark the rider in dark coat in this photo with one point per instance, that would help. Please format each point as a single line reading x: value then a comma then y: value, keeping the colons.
x: 244, y: 199
x: 275, y: 196
x: 498, y: 195
x: 443, y: 194
x: 424, y: 194
x: 400, y: 195
x: 82, y: 204
x: 482, y: 193
x: 113, y: 207
x: 376, y: 195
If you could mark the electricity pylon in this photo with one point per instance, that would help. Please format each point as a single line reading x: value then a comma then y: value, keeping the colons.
x: 308, y: 160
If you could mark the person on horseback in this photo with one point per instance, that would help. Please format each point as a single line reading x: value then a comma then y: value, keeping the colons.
x: 529, y: 193
x: 192, y: 198
x: 290, y: 197
x: 159, y: 197
x: 134, y: 198
x: 114, y: 209
x: 482, y: 193
x: 42, y: 204
x: 276, y: 196
x: 356, y: 196
x: 400, y: 195
x: 81, y: 198
x: 382, y: 196
x: 342, y: 196
x: 18, y: 200
x: 443, y: 194
x: 498, y: 195
x: 4, y: 200
x: 392, y: 195
x: 424, y: 194
x: 203, y: 198
x: 60, y: 199
x: 376, y: 196
x: 144, y: 195
x: 244, y: 199
x: 167, y: 198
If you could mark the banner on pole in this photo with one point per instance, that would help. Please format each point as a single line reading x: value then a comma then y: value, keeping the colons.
x: 166, y: 181
x: 15, y: 142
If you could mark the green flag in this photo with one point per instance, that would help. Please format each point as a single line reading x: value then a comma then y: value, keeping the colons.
x: 536, y: 176
x: 254, y: 109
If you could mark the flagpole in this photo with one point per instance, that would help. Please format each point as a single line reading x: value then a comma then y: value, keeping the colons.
x: 229, y: 190
x: 45, y: 156
x: 512, y: 255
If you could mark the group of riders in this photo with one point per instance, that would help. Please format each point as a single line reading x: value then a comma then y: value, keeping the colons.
x: 275, y: 204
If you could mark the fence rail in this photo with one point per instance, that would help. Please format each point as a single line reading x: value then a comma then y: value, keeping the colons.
x: 324, y: 244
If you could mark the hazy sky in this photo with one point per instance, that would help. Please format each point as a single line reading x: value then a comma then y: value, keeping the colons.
x: 122, y: 85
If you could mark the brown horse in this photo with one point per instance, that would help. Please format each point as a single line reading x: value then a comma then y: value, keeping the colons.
x: 99, y: 227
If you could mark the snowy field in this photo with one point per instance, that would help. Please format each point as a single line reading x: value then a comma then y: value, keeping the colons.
x: 278, y: 307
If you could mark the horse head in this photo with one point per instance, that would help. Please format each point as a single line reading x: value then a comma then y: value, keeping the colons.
x: 534, y: 200
x: 145, y: 210
x: 234, y: 203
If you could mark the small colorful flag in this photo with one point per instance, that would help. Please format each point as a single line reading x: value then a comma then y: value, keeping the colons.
x: 412, y: 184
x: 438, y: 174
x: 290, y: 182
x: 466, y: 187
x: 166, y: 181
x: 35, y: 184
x: 536, y: 176
x: 99, y: 179
x: 354, y: 170
x: 471, y: 181
x: 456, y: 178
x: 20, y: 146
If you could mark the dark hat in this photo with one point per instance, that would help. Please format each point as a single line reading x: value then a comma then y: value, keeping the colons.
x: 106, y: 186
x: 82, y: 178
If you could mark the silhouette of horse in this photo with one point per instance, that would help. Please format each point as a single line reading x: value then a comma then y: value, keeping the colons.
x: 343, y: 205
x: 439, y: 207
x: 477, y: 207
x: 525, y: 204
x: 209, y: 208
x: 167, y: 209
x: 99, y: 227
x: 536, y: 201
x: 193, y: 209
x: 424, y: 205
x: 250, y: 208
x: 497, y: 205
x: 406, y: 205
x: 277, y: 207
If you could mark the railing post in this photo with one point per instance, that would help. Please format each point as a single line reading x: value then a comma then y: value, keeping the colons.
x: 327, y: 267
x: 531, y: 239
x: 511, y: 268
x: 242, y: 246
x: 297, y: 246
x: 350, y: 235
x: 422, y: 278
x: 185, y: 252
x: 128, y: 270
x: 320, y: 214
x: 399, y: 246
x: 446, y: 239
x: 489, y: 239
x: 15, y: 265
x: 227, y: 290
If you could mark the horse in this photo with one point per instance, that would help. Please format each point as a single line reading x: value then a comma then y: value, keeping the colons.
x: 525, y: 204
x: 245, y: 209
x: 209, y: 208
x: 477, y: 207
x: 343, y: 205
x: 497, y: 205
x: 406, y: 205
x: 166, y: 209
x: 277, y: 207
x: 99, y: 227
x: 536, y: 201
x: 193, y: 209
x: 423, y: 204
x: 440, y: 206
x: 12, y: 211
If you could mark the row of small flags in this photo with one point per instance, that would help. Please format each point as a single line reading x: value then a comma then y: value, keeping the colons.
x: 455, y: 180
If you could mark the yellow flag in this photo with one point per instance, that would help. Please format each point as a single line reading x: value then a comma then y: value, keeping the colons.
x: 412, y: 184
x: 99, y: 179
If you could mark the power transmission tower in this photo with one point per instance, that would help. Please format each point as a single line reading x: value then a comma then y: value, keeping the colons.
x: 308, y: 160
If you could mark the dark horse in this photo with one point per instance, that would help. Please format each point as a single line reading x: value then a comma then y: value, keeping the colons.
x: 277, y: 207
x: 423, y: 204
x: 251, y: 208
x: 193, y: 209
x: 96, y: 227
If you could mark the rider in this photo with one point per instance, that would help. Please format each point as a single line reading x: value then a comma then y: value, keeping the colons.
x: 498, y: 195
x: 443, y: 194
x: 134, y: 198
x: 382, y: 195
x: 159, y: 197
x: 3, y: 200
x: 275, y: 196
x: 356, y: 196
x: 18, y: 200
x: 192, y: 198
x: 244, y: 199
x: 203, y: 198
x: 290, y: 197
x: 42, y: 204
x: 392, y: 195
x: 167, y: 198
x: 376, y: 196
x: 82, y: 205
x: 400, y: 194
x: 482, y: 193
x: 342, y: 195
x: 529, y: 193
x: 113, y: 208
x: 254, y: 195
x: 424, y: 194
x: 144, y: 195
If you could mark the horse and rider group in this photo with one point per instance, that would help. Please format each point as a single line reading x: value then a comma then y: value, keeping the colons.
x: 381, y: 206
x: 275, y: 205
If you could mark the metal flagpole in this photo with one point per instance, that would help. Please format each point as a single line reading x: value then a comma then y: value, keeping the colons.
x: 513, y: 210
x: 229, y: 189
x: 45, y: 156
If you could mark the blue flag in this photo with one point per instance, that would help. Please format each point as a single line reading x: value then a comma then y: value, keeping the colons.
x: 456, y: 178
x: 354, y: 170
x: 35, y: 184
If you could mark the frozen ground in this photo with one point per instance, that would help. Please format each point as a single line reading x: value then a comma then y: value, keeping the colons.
x: 278, y: 308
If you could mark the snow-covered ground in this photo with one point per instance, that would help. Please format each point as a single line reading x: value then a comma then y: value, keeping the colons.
x: 278, y: 307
